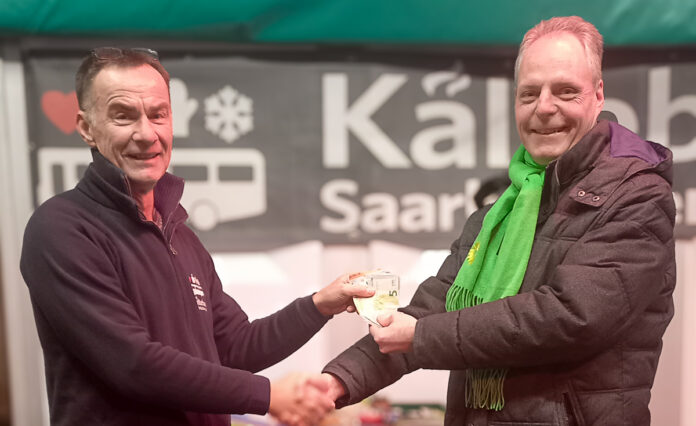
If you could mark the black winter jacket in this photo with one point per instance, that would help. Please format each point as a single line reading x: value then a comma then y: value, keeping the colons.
x: 133, y: 321
x: 582, y: 338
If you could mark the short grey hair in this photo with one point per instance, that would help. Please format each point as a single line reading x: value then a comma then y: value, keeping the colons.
x: 585, y: 32
x: 92, y: 64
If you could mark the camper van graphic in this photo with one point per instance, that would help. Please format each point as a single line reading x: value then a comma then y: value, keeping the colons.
x: 221, y: 184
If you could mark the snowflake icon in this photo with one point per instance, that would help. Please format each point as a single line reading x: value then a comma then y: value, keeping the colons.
x: 229, y: 114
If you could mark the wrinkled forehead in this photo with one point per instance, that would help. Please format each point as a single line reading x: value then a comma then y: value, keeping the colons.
x: 142, y: 81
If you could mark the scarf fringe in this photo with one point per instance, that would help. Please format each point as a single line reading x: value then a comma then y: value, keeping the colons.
x: 458, y: 297
x: 484, y: 388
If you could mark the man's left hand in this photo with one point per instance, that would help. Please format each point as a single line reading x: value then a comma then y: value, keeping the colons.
x: 396, y: 334
x: 338, y: 296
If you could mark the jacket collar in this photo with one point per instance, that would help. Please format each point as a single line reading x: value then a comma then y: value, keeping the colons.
x: 615, y: 152
x: 582, y: 157
x: 108, y: 185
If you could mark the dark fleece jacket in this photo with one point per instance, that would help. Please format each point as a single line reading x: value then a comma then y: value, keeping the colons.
x: 133, y: 321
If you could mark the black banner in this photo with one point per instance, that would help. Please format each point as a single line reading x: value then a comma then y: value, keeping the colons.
x: 277, y: 151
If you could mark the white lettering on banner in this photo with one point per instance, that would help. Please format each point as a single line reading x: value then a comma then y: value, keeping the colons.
x: 498, y: 94
x: 624, y: 112
x: 418, y: 214
x: 381, y: 212
x: 455, y: 80
x: 661, y: 110
x: 331, y: 199
x: 339, y: 118
x: 461, y: 130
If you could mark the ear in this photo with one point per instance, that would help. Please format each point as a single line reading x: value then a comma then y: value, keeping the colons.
x: 599, y: 95
x: 85, y: 129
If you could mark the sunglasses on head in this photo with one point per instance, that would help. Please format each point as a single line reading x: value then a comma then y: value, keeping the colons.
x: 105, y: 53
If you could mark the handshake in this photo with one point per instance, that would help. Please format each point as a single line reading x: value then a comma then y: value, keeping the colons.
x: 304, y: 399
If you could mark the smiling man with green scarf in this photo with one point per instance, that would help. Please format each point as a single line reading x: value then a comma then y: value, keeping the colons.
x: 551, y: 307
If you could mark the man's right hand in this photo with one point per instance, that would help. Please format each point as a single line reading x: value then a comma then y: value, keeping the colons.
x: 300, y: 399
x: 338, y: 296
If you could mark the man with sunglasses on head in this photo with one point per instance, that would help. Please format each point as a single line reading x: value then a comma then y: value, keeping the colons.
x: 132, y: 318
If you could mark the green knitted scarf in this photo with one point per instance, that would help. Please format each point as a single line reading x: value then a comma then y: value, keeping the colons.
x: 496, y: 264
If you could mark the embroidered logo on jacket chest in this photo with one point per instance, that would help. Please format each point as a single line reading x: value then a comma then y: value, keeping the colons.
x: 198, y: 292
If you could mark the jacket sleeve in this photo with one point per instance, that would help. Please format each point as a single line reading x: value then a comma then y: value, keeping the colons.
x: 606, y: 280
x: 80, y: 304
x: 362, y: 368
x: 263, y: 342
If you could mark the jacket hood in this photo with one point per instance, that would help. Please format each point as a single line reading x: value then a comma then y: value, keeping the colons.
x: 615, y: 152
x: 626, y: 144
x: 600, y: 149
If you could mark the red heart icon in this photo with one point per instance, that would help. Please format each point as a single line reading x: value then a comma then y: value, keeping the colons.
x: 61, y: 108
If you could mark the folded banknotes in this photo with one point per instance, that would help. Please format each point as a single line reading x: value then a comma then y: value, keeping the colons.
x: 385, y: 299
